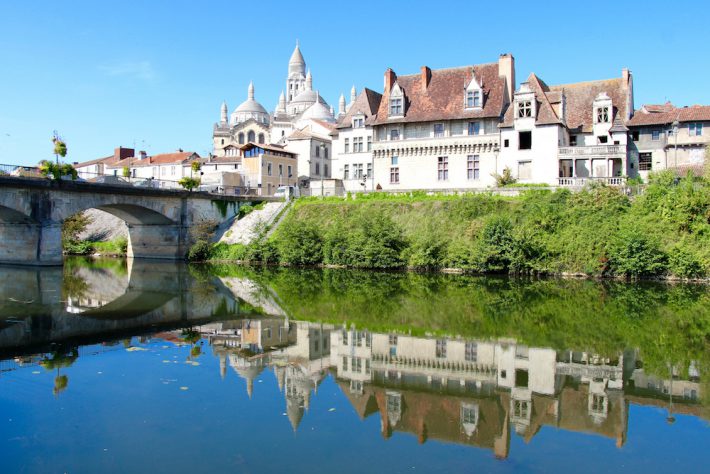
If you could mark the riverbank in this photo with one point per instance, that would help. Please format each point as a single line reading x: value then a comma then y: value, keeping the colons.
x: 598, y: 232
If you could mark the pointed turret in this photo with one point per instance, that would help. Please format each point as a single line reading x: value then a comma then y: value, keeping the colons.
x: 250, y: 91
x: 296, y: 64
x: 282, y: 103
x: 223, y: 114
x: 309, y: 81
x: 353, y: 95
x: 341, y: 105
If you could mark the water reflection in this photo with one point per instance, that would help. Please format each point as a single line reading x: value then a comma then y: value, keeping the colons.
x: 436, y: 382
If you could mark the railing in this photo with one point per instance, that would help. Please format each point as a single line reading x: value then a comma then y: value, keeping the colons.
x: 592, y: 150
x: 611, y: 181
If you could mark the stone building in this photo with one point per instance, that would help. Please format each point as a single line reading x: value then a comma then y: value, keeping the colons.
x: 352, y: 140
x: 249, y: 123
x: 439, y: 129
x: 568, y: 134
x: 665, y: 136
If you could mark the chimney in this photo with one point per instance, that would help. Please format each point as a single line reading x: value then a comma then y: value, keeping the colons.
x: 628, y: 79
x: 120, y: 153
x: 426, y: 78
x: 142, y: 154
x: 506, y: 69
x: 390, y: 79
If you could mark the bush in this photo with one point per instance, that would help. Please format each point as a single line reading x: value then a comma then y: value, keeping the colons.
x: 245, y: 210
x: 189, y: 183
x: 633, y: 254
x: 262, y: 251
x: 495, y: 246
x: 222, y: 251
x: 428, y: 249
x: 199, y: 251
x: 683, y: 263
x: 300, y: 244
x: 78, y: 247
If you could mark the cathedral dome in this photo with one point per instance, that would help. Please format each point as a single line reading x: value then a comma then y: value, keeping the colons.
x: 296, y: 65
x: 308, y: 97
x: 250, y: 109
x: 318, y: 111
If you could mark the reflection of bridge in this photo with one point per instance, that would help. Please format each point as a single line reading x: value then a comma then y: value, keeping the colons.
x: 39, y: 306
x: 32, y: 212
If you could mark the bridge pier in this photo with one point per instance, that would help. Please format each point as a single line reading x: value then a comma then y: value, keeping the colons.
x: 31, y: 243
x: 162, y: 241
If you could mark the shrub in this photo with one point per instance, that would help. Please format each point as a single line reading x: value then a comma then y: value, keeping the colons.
x: 684, y: 263
x: 373, y: 241
x: 504, y: 179
x: 300, y: 244
x: 495, y: 246
x: 428, y: 250
x: 245, y: 210
x: 189, y: 183
x: 199, y: 251
x: 222, y: 251
x: 78, y: 247
x: 262, y: 251
x: 633, y: 254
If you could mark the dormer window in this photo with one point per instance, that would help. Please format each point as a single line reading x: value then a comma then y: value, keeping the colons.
x: 603, y: 114
x: 396, y: 102
x: 358, y: 122
x: 473, y: 99
x: 524, y: 109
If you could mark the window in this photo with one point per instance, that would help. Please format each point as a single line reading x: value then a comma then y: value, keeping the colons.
x: 441, y: 348
x: 603, y: 139
x: 281, y: 170
x: 251, y: 136
x: 290, y: 172
x: 394, y: 134
x: 223, y: 141
x: 474, y: 128
x: 474, y: 166
x: 241, y: 138
x: 369, y: 143
x: 346, y: 172
x: 393, y: 339
x: 325, y: 152
x: 358, y: 122
x: 369, y: 170
x: 473, y: 99
x: 394, y: 161
x: 524, y: 109
x: 345, y: 337
x: 395, y: 106
x: 347, y: 145
x: 438, y: 129
x: 317, y: 150
x: 573, y: 140
x: 524, y: 140
x: 318, y: 169
x: 520, y: 409
x: 443, y: 168
x: 635, y: 135
x: 357, y: 145
x: 394, y: 175
x: 261, y: 138
x: 325, y: 169
x: 524, y: 169
x: 603, y: 114
x: 521, y: 378
x: 506, y: 143
x: 655, y: 135
x: 695, y: 129
x: 645, y: 161
x: 345, y: 363
x: 358, y: 170
x: 471, y: 352
x: 268, y: 169
x: 598, y: 403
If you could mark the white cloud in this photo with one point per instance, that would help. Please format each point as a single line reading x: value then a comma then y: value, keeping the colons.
x: 142, y: 70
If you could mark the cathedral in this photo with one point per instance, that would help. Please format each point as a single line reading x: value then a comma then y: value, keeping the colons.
x: 251, y: 122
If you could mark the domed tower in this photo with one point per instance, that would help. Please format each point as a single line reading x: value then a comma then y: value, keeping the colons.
x: 296, y: 80
x: 250, y: 109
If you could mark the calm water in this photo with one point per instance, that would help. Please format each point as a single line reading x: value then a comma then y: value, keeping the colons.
x: 109, y: 366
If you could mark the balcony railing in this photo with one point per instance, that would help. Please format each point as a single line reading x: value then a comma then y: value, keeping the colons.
x: 611, y: 181
x: 592, y: 150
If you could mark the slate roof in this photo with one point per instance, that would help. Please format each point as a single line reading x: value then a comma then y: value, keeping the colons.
x: 366, y: 103
x: 443, y: 98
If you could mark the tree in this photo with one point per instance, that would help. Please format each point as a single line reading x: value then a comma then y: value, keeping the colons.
x: 126, y: 172
x: 195, y: 166
x: 57, y: 170
x: 189, y: 183
x: 505, y: 178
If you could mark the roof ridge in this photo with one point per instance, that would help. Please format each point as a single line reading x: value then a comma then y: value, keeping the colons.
x: 584, y: 83
x: 454, y: 68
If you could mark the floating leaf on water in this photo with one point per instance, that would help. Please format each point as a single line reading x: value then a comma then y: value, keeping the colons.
x: 184, y: 388
x: 331, y: 409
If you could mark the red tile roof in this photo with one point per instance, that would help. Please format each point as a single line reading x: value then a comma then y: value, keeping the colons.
x: 443, y: 98
x: 176, y: 158
x: 366, y: 103
x: 667, y: 114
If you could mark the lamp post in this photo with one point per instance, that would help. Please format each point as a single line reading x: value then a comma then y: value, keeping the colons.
x: 675, y: 143
x: 322, y: 168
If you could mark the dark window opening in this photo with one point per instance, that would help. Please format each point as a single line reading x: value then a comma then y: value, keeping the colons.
x: 521, y: 378
x: 603, y: 139
x: 524, y: 140
x: 506, y: 142
x: 635, y: 135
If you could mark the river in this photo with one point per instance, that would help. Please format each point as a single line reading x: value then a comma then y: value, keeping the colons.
x: 136, y: 366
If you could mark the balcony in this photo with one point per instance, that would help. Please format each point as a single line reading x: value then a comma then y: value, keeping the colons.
x: 579, y: 182
x: 436, y: 145
x: 606, y: 151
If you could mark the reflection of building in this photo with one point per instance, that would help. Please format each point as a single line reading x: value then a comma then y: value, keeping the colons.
x: 464, y: 391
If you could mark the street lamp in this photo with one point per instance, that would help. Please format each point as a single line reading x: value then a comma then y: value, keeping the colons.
x: 675, y: 143
x: 322, y: 168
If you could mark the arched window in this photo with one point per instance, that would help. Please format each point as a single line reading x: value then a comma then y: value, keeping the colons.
x: 251, y: 137
x: 261, y: 138
x: 241, y: 138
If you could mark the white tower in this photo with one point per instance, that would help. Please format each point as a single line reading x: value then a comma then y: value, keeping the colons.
x: 341, y: 105
x: 223, y: 114
x: 296, y: 80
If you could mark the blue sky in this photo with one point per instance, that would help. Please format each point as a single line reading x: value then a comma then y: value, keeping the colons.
x: 154, y: 73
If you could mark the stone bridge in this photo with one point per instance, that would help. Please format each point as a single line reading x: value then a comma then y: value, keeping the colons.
x: 32, y: 212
